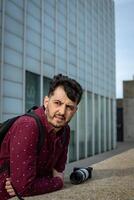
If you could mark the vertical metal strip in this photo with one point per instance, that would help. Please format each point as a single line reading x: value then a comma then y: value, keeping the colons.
x: 86, y: 98
x: 86, y: 123
x: 24, y: 56
x: 93, y: 101
x: 99, y: 90
x: 114, y: 123
x: 77, y: 116
x: 67, y: 67
x: 99, y: 123
x: 2, y: 59
x: 105, y: 124
x: 93, y: 124
x: 41, y: 52
x: 109, y: 112
x: 67, y: 17
x: 56, y: 67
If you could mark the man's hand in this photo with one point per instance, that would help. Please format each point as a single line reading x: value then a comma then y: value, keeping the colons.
x: 9, y: 187
x: 58, y: 174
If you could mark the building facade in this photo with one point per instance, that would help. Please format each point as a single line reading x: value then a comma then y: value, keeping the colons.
x: 128, y: 110
x: 75, y: 37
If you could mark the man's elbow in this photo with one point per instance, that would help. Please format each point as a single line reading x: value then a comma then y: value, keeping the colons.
x: 59, y: 183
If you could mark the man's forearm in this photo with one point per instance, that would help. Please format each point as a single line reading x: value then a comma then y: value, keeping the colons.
x: 45, y: 185
x: 40, y: 185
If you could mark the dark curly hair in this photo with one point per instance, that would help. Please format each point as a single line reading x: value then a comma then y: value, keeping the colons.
x: 71, y: 87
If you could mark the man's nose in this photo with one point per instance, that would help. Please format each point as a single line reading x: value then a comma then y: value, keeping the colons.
x: 62, y: 109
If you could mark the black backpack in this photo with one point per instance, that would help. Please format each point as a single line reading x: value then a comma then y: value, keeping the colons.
x: 5, y: 126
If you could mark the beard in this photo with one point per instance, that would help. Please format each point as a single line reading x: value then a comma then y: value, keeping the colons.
x: 56, y: 120
x: 51, y: 118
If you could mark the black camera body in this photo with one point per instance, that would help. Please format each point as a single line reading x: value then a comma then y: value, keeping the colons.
x: 80, y: 174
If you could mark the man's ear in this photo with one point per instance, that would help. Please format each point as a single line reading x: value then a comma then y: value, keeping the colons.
x: 46, y: 99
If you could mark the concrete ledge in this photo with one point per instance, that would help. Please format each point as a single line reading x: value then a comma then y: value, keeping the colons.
x: 113, y: 179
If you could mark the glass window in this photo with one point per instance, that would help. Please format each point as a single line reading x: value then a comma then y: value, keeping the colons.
x: 13, y: 26
x: 72, y: 48
x: 48, y: 70
x: 32, y: 92
x: 61, y: 30
x: 61, y: 41
x: 61, y: 19
x: 72, y: 144
x: 13, y: 57
x: 33, y: 51
x: 37, y: 3
x: 49, y: 33
x: 32, y: 64
x: 72, y: 70
x: 14, y: 75
x: 14, y: 11
x: 49, y: 46
x: 33, y: 37
x: 72, y: 17
x: 72, y: 38
x: 33, y: 10
x: 96, y: 121
x: 82, y: 128
x: 102, y: 124
x: 46, y: 84
x: 12, y: 89
x: 49, y: 8
x: 62, y: 53
x: 49, y: 58
x: 112, y: 124
x: 72, y: 58
x: 33, y: 23
x: 89, y: 123
x: 52, y: 2
x: 62, y: 8
x: 13, y: 41
x: 61, y: 64
x: 107, y: 123
x: 18, y: 3
x: 12, y: 106
x: 82, y: 71
x: 49, y: 21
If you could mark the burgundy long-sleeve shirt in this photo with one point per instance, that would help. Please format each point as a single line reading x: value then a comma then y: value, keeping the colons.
x: 31, y: 173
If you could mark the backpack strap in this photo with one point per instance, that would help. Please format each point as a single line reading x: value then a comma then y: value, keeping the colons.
x: 41, y: 128
x: 32, y: 109
x: 64, y: 135
x: 17, y: 194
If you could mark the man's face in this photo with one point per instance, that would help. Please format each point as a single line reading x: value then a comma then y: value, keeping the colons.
x: 59, y: 108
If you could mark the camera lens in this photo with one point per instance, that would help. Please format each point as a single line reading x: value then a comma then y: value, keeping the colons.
x: 78, y: 176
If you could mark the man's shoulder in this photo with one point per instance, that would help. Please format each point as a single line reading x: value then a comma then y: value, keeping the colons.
x: 27, y: 118
x: 25, y: 121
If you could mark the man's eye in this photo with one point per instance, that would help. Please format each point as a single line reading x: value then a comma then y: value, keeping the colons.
x: 70, y: 108
x: 58, y: 103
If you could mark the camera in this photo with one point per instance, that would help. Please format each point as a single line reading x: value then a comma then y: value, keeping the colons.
x: 80, y: 174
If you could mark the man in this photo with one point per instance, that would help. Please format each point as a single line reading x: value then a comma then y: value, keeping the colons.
x: 32, y: 174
